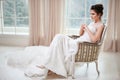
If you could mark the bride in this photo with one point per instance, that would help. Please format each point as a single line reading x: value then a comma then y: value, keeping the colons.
x: 39, y: 59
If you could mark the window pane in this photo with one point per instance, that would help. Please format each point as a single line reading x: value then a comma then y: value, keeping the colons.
x: 88, y: 21
x: 8, y: 8
x: 0, y: 9
x: 104, y: 20
x: 76, y: 8
x: 22, y: 22
x: 22, y: 8
x: 105, y: 8
x: 9, y: 22
x: 0, y: 18
x: 74, y: 23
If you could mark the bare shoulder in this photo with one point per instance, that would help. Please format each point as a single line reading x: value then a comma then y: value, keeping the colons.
x: 100, y: 26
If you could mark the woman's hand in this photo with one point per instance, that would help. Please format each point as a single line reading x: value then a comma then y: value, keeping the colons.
x: 85, y: 28
x: 82, y: 28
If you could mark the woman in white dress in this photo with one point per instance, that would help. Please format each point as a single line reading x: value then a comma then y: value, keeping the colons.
x: 57, y: 56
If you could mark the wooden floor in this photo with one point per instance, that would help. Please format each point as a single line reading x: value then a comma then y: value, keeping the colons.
x: 109, y: 67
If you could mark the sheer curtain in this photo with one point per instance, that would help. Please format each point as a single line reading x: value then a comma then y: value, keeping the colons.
x: 112, y: 41
x: 46, y: 20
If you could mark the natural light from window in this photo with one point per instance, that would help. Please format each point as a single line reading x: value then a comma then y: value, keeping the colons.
x: 14, y: 17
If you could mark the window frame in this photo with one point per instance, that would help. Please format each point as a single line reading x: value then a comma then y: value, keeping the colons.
x: 13, y: 30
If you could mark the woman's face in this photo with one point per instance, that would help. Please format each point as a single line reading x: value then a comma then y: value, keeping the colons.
x: 94, y: 15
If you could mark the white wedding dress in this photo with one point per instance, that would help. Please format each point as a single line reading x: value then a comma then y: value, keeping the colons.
x: 54, y: 57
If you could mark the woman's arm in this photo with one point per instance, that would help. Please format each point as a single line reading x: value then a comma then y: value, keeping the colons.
x: 95, y: 37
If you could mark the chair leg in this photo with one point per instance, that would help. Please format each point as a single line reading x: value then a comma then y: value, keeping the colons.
x: 97, y: 67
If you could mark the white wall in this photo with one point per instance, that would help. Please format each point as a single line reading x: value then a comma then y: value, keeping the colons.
x: 14, y: 40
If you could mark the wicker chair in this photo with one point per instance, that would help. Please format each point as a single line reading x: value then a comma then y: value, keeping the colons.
x: 88, y: 52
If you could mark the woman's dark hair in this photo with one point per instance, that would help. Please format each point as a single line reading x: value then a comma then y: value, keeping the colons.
x: 98, y: 8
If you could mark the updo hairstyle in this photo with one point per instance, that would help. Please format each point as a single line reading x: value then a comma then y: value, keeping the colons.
x: 98, y: 8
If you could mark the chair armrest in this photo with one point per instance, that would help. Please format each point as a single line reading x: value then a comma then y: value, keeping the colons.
x: 89, y: 43
x: 74, y: 36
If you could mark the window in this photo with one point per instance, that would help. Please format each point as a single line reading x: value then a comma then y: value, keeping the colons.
x: 77, y: 12
x: 14, y: 17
